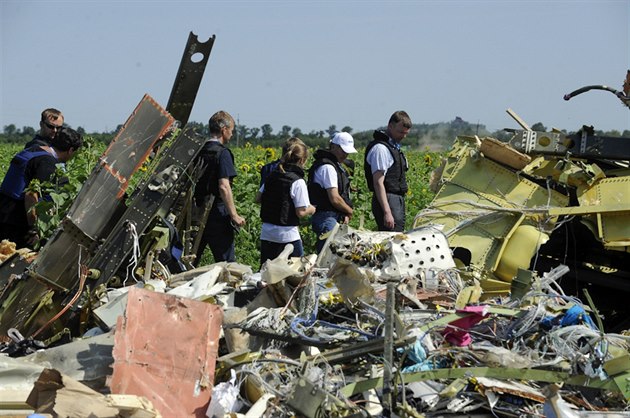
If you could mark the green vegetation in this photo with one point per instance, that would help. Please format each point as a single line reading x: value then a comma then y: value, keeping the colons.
x: 434, y: 136
x: 249, y: 159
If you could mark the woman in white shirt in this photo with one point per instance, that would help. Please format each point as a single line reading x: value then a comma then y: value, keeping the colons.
x: 284, y: 200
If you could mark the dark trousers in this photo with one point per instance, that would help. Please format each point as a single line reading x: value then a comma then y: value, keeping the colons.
x: 219, y: 236
x: 15, y: 233
x: 270, y: 250
x: 397, y: 206
x: 322, y: 222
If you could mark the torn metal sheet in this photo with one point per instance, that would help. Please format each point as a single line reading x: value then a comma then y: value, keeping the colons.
x: 100, y: 198
x: 61, y: 396
x: 87, y: 360
x: 421, y: 253
x: 352, y: 285
x: 165, y: 349
x: 612, y: 228
x: 202, y: 287
x: 482, y: 214
x: 16, y: 382
x: 284, y: 267
x: 521, y: 390
x: 107, y: 314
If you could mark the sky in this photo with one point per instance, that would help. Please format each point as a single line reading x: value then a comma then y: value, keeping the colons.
x: 313, y: 64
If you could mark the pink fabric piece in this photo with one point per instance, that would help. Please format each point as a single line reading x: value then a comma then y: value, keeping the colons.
x: 455, y: 332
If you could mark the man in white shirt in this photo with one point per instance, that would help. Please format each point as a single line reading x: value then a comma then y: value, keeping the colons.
x: 385, y: 171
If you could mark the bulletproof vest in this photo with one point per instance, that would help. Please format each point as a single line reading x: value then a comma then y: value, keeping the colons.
x: 37, y: 141
x: 277, y: 207
x: 317, y: 194
x: 267, y: 169
x: 396, y: 176
x: 14, y: 181
x: 208, y: 183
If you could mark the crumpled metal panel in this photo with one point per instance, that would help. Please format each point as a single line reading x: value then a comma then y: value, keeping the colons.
x: 613, y: 226
x: 408, y: 254
x: 481, y: 204
x: 165, y: 350
x: 131, y: 147
x: 94, y: 208
x: 151, y: 198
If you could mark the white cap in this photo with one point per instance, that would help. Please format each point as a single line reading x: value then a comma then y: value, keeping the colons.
x: 345, y: 141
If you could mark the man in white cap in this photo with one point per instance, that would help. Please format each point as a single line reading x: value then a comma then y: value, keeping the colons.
x: 329, y: 186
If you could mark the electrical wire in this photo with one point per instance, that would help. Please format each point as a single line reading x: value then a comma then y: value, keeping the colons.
x: 83, y: 273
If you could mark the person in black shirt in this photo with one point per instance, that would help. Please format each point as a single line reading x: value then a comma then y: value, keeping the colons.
x: 216, y: 184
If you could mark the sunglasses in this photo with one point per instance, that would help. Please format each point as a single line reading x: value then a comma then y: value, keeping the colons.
x: 53, y: 127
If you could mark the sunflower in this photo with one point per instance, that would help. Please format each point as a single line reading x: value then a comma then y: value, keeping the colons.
x: 270, y: 154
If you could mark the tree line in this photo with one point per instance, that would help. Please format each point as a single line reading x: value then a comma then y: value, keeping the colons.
x: 434, y: 136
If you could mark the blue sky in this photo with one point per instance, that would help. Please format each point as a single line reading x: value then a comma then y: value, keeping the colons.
x: 311, y: 64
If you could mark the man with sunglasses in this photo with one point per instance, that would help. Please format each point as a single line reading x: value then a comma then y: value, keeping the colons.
x: 49, y: 125
x: 17, y: 215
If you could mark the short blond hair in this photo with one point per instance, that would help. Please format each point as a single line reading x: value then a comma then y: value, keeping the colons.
x: 294, y: 152
x: 220, y: 120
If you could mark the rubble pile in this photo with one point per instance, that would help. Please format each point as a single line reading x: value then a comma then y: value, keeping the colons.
x: 333, y: 336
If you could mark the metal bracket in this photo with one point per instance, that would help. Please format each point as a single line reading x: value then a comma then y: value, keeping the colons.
x: 188, y: 79
x: 529, y: 141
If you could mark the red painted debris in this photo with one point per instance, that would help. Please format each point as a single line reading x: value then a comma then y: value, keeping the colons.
x: 165, y: 349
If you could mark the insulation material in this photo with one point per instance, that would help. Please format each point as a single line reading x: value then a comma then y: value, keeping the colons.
x: 166, y: 349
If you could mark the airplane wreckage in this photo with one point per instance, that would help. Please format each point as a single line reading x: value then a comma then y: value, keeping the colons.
x: 475, y: 311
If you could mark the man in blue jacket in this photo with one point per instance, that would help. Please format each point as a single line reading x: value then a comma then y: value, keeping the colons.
x: 17, y: 215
